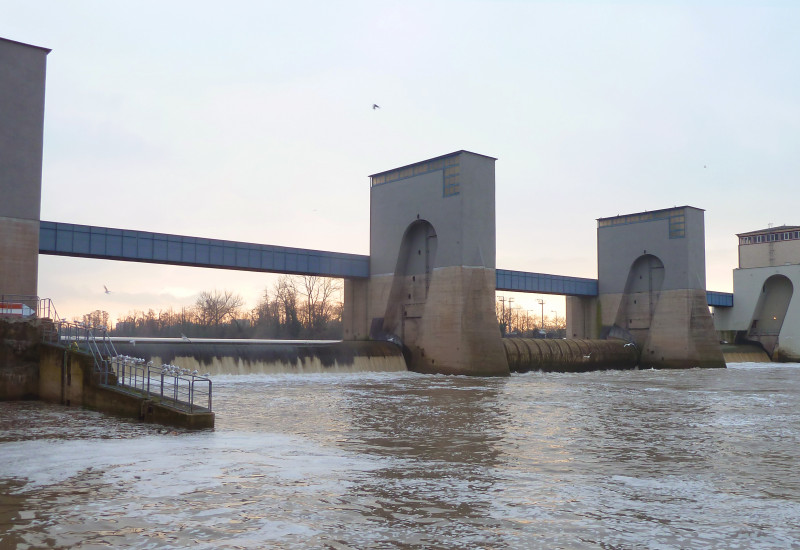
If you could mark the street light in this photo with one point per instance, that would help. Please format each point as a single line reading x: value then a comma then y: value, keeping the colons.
x: 541, y: 303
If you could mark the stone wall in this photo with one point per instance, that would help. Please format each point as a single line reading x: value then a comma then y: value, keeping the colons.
x: 19, y: 359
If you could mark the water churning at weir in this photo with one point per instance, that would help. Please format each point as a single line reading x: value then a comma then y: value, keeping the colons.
x: 218, y: 357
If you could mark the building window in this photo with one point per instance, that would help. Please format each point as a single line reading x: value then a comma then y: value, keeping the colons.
x: 452, y: 177
x: 758, y: 238
x: 785, y: 236
x: 745, y: 240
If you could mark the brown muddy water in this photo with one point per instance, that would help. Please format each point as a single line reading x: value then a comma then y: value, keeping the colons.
x: 613, y: 459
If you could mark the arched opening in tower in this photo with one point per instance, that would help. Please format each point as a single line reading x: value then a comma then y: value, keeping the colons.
x: 640, y: 298
x: 412, y: 279
x: 771, y: 308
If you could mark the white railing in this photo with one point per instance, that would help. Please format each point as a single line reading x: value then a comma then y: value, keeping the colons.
x: 173, y: 386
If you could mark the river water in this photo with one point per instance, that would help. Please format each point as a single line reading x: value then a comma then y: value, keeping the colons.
x: 609, y: 460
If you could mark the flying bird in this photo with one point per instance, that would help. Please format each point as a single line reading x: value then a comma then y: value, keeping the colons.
x: 375, y: 106
x: 106, y: 289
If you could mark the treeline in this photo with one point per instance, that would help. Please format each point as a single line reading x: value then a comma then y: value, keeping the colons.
x: 296, y: 307
x: 516, y: 322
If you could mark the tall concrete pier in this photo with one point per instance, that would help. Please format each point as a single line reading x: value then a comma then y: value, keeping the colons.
x: 22, y: 84
x: 432, y: 266
x: 652, y: 289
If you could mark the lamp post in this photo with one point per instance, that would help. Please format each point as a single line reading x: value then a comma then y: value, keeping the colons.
x: 541, y: 303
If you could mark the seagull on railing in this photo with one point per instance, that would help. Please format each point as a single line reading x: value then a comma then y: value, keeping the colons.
x: 185, y: 338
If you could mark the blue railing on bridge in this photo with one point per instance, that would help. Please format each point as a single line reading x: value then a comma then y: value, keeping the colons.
x: 84, y: 241
x: 542, y: 283
x: 66, y: 239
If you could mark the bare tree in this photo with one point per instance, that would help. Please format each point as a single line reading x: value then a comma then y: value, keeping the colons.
x: 265, y: 317
x: 97, y: 319
x: 214, y: 308
x: 320, y: 295
x: 286, y: 297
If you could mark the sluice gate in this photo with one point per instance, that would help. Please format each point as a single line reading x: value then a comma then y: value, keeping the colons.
x: 569, y: 355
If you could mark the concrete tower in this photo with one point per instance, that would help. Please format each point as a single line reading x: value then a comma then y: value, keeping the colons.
x: 432, y: 266
x: 22, y: 83
x: 652, y: 287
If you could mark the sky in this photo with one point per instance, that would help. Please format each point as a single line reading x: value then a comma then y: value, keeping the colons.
x: 252, y: 121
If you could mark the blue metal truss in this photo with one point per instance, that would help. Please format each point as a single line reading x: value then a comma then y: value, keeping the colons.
x: 66, y: 239
x: 84, y: 241
x: 542, y: 283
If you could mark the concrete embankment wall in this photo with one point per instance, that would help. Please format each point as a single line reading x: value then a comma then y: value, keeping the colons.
x: 19, y: 360
x: 259, y: 357
x: 68, y: 377
x: 568, y: 355
x: 30, y: 369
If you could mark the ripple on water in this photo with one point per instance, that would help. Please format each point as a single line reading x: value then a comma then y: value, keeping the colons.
x: 635, y: 459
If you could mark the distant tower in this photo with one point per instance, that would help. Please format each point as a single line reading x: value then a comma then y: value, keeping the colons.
x: 432, y: 266
x: 652, y: 289
x: 22, y: 84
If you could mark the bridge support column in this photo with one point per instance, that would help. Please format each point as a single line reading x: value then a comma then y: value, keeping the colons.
x: 582, y: 317
x: 354, y: 315
x: 22, y: 80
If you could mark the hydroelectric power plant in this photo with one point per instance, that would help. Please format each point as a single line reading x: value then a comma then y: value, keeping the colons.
x: 424, y: 298
x: 108, y: 442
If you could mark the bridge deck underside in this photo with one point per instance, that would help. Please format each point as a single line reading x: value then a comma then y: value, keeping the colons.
x: 83, y: 241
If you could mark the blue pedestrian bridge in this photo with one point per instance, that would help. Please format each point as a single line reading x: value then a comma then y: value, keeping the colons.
x: 85, y: 241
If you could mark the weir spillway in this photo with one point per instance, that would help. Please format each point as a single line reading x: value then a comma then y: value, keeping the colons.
x: 244, y: 356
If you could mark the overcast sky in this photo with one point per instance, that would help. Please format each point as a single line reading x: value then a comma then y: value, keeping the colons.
x: 252, y: 121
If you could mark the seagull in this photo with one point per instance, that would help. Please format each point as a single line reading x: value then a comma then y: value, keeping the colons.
x: 184, y: 337
x: 375, y: 106
x: 106, y: 289
x: 587, y: 356
x: 133, y: 342
x: 629, y: 345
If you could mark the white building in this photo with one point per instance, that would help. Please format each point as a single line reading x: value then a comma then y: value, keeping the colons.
x: 763, y: 286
